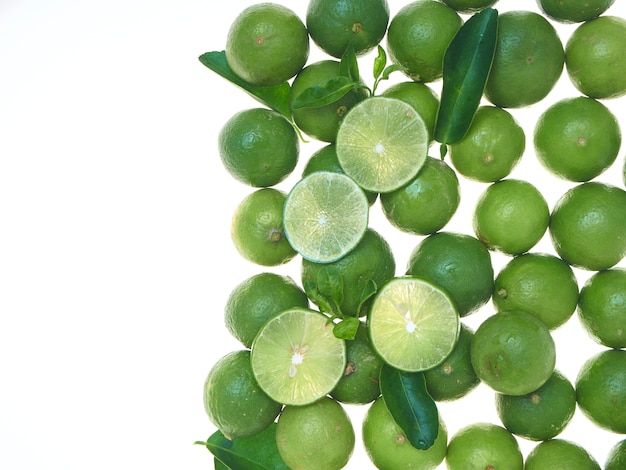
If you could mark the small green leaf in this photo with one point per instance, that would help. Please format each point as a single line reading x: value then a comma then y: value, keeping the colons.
x: 466, y: 66
x: 330, y: 284
x: 379, y: 62
x: 276, y: 97
x: 313, y: 293
x: 257, y: 452
x: 349, y: 66
x: 368, y: 291
x: 346, y: 328
x: 392, y: 68
x: 411, y: 406
x: 327, y: 93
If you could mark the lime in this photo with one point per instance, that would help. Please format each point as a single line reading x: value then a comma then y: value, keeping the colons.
x: 449, y: 260
x: 258, y: 147
x: 425, y: 204
x: 296, y: 358
x: 574, y: 11
x: 511, y: 216
x: 322, y: 122
x: 413, y: 324
x: 382, y: 143
x: 359, y: 384
x: 601, y: 390
x: 455, y: 376
x: 388, y: 447
x: 577, y: 138
x: 469, y: 6
x: 356, y: 276
x: 335, y: 25
x: 560, y: 453
x: 513, y: 352
x: 418, y: 36
x: 257, y: 228
x: 257, y: 299
x: 594, y: 57
x: 540, y: 284
x: 325, y: 159
x: 234, y: 401
x: 421, y: 97
x: 616, y: 460
x: 528, y: 60
x: 602, y: 307
x: 492, y: 146
x: 314, y: 436
x: 267, y: 44
x: 325, y: 216
x: 541, y: 414
x: 588, y: 224
x: 482, y: 446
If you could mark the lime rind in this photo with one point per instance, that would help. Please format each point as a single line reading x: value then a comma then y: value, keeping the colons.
x: 325, y: 216
x: 413, y: 324
x: 382, y: 143
x: 296, y: 358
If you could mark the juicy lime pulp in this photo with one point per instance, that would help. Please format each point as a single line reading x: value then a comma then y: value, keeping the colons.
x: 296, y: 358
x: 413, y: 324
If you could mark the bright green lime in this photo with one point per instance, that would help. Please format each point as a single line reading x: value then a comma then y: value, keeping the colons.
x: 560, y: 453
x: 469, y: 6
x: 616, y: 460
x: 574, y: 11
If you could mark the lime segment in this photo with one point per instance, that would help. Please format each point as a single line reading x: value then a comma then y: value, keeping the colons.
x: 382, y: 143
x: 413, y: 324
x: 296, y: 358
x: 325, y: 216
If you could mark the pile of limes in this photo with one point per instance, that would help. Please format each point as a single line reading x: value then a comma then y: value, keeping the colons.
x: 355, y: 328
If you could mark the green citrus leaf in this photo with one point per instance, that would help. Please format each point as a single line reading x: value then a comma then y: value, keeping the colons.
x: 257, y: 452
x: 379, y: 62
x: 466, y: 67
x: 276, y: 97
x: 346, y: 328
x: 327, y: 93
x: 349, y: 66
x: 367, y: 293
x: 389, y: 70
x: 219, y: 465
x: 411, y: 406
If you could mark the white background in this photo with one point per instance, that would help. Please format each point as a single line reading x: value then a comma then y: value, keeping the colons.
x: 115, y: 251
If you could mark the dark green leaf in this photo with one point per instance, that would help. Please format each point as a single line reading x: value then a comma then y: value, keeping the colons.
x: 258, y: 452
x: 330, y: 284
x: 392, y: 68
x: 466, y: 67
x: 349, y: 66
x: 275, y: 97
x: 379, y: 62
x: 346, y: 328
x: 327, y: 93
x: 310, y: 287
x: 411, y: 406
x: 219, y: 465
x: 368, y: 291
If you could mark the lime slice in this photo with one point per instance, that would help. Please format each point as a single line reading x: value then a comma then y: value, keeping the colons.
x: 296, y: 358
x: 413, y: 324
x: 325, y: 216
x: 382, y: 143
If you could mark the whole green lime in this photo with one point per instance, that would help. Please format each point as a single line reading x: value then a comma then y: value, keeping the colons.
x: 418, y: 36
x: 587, y: 225
x: 560, y: 453
x: 511, y: 216
x: 355, y: 277
x: 601, y: 389
x: 427, y: 203
x: 528, y: 60
x: 257, y: 228
x: 336, y: 24
x: 577, y: 138
x: 455, y: 376
x: 594, y: 57
x: 259, y: 147
x: 492, y: 146
x: 616, y: 460
x: 321, y: 122
x: 234, y: 401
x: 574, y: 11
x: 513, y: 352
x: 314, y: 436
x: 257, y: 299
x: 449, y: 260
x: 540, y: 284
x: 541, y: 414
x: 267, y: 44
x: 482, y: 446
x: 388, y: 447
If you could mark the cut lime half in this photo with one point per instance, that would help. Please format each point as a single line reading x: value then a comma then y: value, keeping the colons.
x: 413, y: 324
x: 296, y: 358
x: 325, y: 216
x: 382, y: 143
